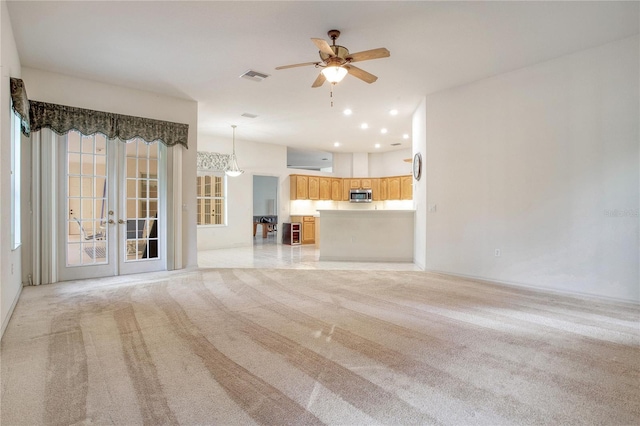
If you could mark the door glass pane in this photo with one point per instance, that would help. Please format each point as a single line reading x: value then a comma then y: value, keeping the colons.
x: 141, y: 195
x: 86, y: 191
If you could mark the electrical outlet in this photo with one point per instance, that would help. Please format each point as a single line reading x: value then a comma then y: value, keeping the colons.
x: 497, y: 253
x: 433, y: 208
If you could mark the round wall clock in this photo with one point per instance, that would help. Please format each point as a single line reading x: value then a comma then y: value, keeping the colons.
x: 417, y: 166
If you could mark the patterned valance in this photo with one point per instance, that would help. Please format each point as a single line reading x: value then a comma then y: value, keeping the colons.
x: 20, y: 104
x: 212, y: 161
x: 61, y: 119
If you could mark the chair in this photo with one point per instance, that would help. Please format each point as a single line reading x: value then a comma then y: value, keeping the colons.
x: 97, y: 236
x: 95, y: 250
x: 135, y: 231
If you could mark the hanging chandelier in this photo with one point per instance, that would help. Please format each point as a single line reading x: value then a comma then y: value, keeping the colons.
x: 232, y: 167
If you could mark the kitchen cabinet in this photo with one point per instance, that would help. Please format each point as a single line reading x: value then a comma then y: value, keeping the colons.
x: 384, y: 189
x: 314, y: 187
x: 336, y: 189
x: 375, y: 190
x: 393, y: 188
x: 299, y: 187
x: 325, y: 188
x: 304, y: 187
x: 346, y: 186
x: 406, y: 187
x: 308, y: 228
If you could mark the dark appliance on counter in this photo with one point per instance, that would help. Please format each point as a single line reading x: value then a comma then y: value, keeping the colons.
x: 360, y: 195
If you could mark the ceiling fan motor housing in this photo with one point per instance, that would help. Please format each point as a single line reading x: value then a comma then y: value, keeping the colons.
x: 340, y: 52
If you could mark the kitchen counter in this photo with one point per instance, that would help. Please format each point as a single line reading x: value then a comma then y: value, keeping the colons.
x: 367, y: 235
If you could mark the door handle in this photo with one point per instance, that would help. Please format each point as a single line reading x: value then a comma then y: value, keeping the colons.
x: 111, y: 221
x: 120, y: 221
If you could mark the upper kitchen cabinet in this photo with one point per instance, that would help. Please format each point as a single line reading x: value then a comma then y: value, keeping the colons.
x: 305, y: 187
x: 375, y: 190
x: 346, y: 186
x: 336, y: 189
x: 384, y: 189
x: 406, y: 187
x: 325, y: 188
x: 393, y: 188
x: 314, y: 187
x: 299, y: 187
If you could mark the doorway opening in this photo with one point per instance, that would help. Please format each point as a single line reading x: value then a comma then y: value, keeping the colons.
x: 265, y: 210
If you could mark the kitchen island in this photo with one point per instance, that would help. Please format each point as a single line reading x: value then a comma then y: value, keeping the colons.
x: 367, y: 235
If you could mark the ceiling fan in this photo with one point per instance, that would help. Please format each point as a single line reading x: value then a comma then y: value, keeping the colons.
x: 336, y: 61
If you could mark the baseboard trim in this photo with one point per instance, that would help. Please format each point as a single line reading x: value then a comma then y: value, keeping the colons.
x: 5, y: 323
x: 483, y: 280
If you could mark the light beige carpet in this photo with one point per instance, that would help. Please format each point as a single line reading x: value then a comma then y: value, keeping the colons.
x: 249, y: 346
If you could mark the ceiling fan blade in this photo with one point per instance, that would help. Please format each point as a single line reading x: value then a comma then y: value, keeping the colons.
x: 319, y: 81
x: 323, y: 46
x: 284, y: 67
x: 361, y: 74
x: 366, y: 55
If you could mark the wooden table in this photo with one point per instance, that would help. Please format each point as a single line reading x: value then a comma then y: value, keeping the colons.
x: 266, y: 228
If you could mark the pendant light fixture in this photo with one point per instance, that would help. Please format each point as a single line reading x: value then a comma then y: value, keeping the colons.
x: 232, y: 167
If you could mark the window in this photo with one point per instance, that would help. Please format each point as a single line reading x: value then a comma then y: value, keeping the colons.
x: 15, y: 181
x: 212, y: 193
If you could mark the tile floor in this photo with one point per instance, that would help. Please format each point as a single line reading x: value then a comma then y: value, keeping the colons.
x: 267, y: 253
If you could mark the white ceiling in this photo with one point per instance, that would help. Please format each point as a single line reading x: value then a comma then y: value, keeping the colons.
x: 198, y: 50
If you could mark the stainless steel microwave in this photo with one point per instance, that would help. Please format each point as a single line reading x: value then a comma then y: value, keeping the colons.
x: 360, y: 195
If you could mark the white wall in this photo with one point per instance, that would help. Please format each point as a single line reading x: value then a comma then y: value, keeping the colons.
x: 390, y: 163
x: 343, y: 164
x: 65, y: 90
x: 419, y: 133
x: 255, y: 159
x: 10, y: 260
x: 360, y: 164
x: 533, y: 163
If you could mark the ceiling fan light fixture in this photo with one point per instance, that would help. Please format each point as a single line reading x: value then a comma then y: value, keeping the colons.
x: 334, y: 73
x: 232, y: 169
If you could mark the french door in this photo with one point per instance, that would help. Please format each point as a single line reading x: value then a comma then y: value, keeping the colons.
x: 112, y: 204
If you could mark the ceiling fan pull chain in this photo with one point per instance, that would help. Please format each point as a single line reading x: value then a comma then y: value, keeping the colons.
x: 331, y: 93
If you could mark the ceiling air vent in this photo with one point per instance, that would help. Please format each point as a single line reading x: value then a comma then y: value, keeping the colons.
x: 249, y: 115
x: 254, y: 75
x: 396, y: 144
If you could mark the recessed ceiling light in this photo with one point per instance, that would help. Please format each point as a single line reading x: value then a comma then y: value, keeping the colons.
x: 405, y: 136
x: 347, y: 112
x: 377, y: 145
x: 364, y: 126
x: 383, y: 130
x: 393, y: 112
x: 336, y: 144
